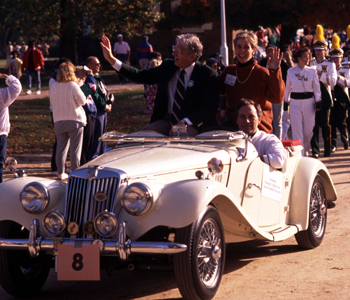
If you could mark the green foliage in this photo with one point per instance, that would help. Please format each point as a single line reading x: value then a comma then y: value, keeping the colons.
x: 267, y: 13
x: 133, y: 17
x: 249, y: 14
x: 32, y: 130
x: 73, y: 17
x: 189, y: 13
x: 38, y: 19
x: 69, y: 19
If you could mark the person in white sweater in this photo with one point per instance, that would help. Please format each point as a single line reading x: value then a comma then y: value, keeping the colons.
x: 7, y: 96
x: 69, y: 118
x: 269, y: 147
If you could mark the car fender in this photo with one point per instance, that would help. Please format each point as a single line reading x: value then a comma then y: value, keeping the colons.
x: 177, y: 205
x: 180, y: 203
x: 304, y: 176
x: 11, y: 208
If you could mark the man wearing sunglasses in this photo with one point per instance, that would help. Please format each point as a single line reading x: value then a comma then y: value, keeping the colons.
x: 188, y: 91
x: 103, y: 100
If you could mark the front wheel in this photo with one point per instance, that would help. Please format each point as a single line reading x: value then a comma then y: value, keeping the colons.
x: 199, y: 269
x: 21, y: 275
x: 313, y: 235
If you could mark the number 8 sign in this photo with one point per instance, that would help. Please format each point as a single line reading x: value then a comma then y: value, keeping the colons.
x: 78, y: 263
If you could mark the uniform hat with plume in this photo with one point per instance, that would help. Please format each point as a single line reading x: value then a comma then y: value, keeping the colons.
x: 319, y: 41
x: 336, y: 50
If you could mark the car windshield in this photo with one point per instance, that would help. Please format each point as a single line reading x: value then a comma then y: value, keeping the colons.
x: 150, y: 136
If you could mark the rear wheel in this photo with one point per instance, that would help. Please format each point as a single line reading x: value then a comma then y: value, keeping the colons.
x: 21, y: 275
x: 198, y: 270
x: 313, y: 235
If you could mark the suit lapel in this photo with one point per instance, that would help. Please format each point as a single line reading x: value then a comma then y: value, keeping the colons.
x: 165, y: 78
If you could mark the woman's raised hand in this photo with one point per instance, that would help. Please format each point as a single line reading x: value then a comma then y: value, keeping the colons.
x: 274, y: 62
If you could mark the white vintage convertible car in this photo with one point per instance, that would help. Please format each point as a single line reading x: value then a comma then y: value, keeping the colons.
x: 153, y: 197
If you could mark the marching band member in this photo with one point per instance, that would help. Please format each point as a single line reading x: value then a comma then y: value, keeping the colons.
x: 328, y: 77
x: 339, y: 111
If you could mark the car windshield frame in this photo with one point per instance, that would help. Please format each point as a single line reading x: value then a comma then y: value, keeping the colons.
x: 150, y: 136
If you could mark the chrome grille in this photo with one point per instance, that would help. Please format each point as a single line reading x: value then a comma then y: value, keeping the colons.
x: 80, y: 203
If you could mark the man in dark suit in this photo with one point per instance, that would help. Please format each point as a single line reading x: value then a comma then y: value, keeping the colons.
x: 199, y: 98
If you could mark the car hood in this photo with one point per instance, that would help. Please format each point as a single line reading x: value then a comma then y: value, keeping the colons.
x: 145, y: 160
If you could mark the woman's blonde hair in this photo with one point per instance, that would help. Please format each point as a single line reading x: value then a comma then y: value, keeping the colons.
x: 66, y: 73
x: 250, y: 36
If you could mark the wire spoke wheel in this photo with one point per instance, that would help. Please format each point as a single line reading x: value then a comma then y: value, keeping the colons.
x: 209, y: 253
x: 313, y: 236
x: 198, y: 270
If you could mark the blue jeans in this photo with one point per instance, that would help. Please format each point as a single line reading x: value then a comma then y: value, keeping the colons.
x: 29, y: 80
x: 96, y: 147
x: 3, y: 146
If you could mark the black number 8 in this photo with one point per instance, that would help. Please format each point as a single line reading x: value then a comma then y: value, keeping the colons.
x: 77, y: 264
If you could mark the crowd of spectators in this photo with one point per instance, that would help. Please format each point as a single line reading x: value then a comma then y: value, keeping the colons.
x: 299, y: 87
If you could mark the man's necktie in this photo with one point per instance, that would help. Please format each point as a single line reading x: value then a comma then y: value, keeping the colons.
x: 178, y: 99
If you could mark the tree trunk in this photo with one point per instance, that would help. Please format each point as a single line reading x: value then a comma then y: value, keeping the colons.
x: 68, y: 48
x: 288, y: 32
x: 68, y: 31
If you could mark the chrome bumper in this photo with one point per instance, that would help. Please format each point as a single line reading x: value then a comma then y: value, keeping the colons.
x: 122, y: 248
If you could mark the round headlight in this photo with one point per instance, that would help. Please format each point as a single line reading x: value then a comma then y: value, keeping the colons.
x: 137, y: 199
x: 54, y: 222
x: 106, y: 224
x: 34, y: 197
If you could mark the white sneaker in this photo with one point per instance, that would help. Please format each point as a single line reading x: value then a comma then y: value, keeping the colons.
x: 62, y: 176
x: 29, y: 92
x: 38, y: 92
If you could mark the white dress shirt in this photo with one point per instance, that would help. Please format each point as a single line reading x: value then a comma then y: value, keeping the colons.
x: 270, y: 148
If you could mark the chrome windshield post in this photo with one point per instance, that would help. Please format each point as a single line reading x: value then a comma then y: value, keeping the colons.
x: 242, y: 151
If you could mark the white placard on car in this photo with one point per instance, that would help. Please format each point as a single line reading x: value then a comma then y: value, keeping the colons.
x: 271, y: 184
x: 78, y: 262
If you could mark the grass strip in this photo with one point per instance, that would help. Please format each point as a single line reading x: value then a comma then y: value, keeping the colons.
x: 32, y: 130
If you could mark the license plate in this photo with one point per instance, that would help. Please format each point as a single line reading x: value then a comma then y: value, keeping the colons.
x: 78, y: 262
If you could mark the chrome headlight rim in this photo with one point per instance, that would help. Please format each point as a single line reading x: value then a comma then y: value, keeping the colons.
x: 46, y: 200
x: 148, y: 196
x: 59, y: 216
x: 112, y: 217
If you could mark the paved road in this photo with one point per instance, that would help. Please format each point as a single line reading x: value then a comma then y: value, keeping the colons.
x: 253, y: 270
x: 111, y: 88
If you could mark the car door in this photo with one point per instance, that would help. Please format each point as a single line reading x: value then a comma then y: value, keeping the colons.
x: 262, y: 193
